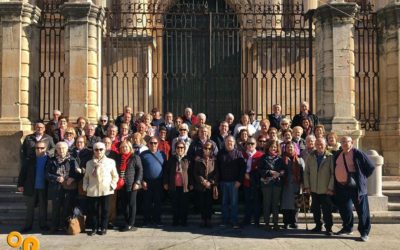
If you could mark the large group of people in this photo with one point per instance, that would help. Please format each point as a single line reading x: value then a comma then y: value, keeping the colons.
x: 104, y: 169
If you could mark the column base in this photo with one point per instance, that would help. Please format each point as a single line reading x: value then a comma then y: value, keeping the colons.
x: 378, y: 203
x: 10, y: 125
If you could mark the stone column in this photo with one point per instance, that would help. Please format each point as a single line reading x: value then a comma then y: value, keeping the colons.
x: 17, y: 26
x: 377, y: 202
x: 389, y: 53
x: 335, y: 72
x: 83, y: 21
x: 17, y: 21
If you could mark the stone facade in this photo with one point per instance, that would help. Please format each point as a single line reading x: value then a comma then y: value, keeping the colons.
x: 335, y: 90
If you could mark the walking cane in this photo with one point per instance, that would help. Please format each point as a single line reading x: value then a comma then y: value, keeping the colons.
x: 305, y: 210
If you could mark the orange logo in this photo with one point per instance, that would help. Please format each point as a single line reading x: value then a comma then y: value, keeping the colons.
x: 29, y: 243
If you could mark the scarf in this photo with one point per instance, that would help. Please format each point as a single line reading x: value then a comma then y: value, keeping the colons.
x: 183, y: 138
x: 179, y: 165
x: 296, y: 168
x: 96, y: 164
x: 61, y: 159
x: 70, y: 143
x: 124, y: 161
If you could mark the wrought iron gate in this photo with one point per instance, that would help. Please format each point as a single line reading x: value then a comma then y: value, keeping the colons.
x: 213, y: 56
x: 51, y: 58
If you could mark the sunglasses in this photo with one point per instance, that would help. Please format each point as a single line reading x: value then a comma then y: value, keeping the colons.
x: 250, y: 143
x: 261, y: 141
x: 103, y: 120
x: 207, y: 148
x: 153, y: 142
x: 180, y: 147
x: 99, y: 149
x: 182, y: 129
x: 40, y: 148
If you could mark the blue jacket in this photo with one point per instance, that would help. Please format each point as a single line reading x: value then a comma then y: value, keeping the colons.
x: 364, y: 169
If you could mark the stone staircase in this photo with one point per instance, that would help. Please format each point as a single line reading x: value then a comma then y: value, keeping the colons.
x: 391, y: 188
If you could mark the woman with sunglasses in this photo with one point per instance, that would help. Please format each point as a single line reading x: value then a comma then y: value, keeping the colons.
x: 177, y: 182
x: 271, y: 172
x: 183, y: 136
x: 130, y: 169
x: 102, y: 126
x: 205, y: 176
x: 99, y: 182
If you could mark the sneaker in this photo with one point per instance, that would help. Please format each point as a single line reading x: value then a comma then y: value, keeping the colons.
x: 344, y: 232
x: 364, y: 238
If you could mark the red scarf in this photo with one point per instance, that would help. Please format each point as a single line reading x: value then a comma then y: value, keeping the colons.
x: 124, y: 160
x: 296, y: 168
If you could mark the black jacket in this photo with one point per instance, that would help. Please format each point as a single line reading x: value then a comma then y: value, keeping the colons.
x: 170, y: 171
x: 297, y: 120
x: 133, y: 172
x: 275, y: 121
x: 268, y: 163
x: 82, y: 157
x: 28, y: 146
x: 231, y: 165
x: 27, y: 176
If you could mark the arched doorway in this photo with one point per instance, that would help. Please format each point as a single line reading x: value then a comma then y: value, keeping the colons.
x: 202, y: 58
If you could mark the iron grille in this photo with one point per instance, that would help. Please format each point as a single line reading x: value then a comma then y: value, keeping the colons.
x: 367, y: 67
x: 51, y: 58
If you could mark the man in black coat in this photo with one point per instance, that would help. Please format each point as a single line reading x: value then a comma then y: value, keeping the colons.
x: 28, y: 146
x: 304, y: 113
x: 32, y: 182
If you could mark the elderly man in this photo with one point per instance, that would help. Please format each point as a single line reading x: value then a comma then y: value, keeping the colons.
x: 120, y: 119
x: 32, y: 183
x: 53, y: 123
x: 253, y: 119
x: 352, y: 168
x: 319, y: 180
x: 28, y: 146
x: 189, y: 118
x: 201, y: 120
x: 304, y: 113
x: 231, y: 168
x: 276, y: 117
x: 91, y: 138
x: 157, y: 118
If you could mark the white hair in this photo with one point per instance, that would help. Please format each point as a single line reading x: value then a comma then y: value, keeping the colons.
x: 61, y: 144
x: 201, y: 116
x: 99, y: 145
x: 230, y: 115
x: 188, y: 109
x: 310, y: 137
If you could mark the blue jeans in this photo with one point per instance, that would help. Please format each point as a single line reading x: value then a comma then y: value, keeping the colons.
x: 345, y: 198
x: 253, y: 198
x: 229, y: 202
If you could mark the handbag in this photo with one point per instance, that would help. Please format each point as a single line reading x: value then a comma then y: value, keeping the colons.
x: 215, y: 193
x: 120, y: 183
x: 302, y: 202
x: 76, y: 223
x: 351, y: 182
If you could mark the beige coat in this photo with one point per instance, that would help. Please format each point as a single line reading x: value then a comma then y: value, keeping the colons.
x: 105, y: 180
x: 322, y: 179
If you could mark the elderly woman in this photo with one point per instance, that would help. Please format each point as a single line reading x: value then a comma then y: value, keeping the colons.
x: 291, y: 185
x: 60, y: 131
x: 333, y: 145
x: 99, y: 182
x: 130, y: 170
x: 264, y: 126
x: 183, y: 136
x: 101, y: 129
x: 271, y: 171
x: 205, y: 176
x: 147, y: 119
x: 244, y: 124
x: 138, y: 143
x: 287, y: 137
x: 273, y: 134
x: 285, y: 124
x: 319, y: 131
x: 69, y: 137
x: 176, y: 180
x: 242, y: 139
x: 63, y: 174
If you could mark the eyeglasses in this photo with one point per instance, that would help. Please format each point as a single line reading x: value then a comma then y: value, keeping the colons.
x: 180, y: 147
x: 261, y: 141
x: 40, y: 148
x: 103, y: 120
x: 182, y: 129
x: 252, y: 114
x: 41, y: 127
x: 99, y: 149
x: 207, y: 148
x: 285, y: 123
x: 80, y: 142
x: 250, y: 143
x: 153, y: 142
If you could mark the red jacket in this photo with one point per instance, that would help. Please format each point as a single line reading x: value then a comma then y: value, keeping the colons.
x: 164, y: 147
x: 254, y: 165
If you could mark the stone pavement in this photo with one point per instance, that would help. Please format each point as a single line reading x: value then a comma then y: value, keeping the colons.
x: 383, y: 236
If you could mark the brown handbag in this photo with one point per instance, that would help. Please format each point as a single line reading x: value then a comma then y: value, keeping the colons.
x: 215, y: 193
x: 76, y: 225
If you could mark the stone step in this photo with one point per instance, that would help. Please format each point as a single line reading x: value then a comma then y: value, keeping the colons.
x: 8, y: 188
x: 391, y: 178
x: 393, y: 195
x: 11, y: 197
x: 393, y: 206
x: 391, y: 185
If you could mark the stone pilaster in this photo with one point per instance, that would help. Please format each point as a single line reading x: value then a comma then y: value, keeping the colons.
x: 18, y: 19
x: 83, y: 21
x: 335, y: 72
x: 389, y: 53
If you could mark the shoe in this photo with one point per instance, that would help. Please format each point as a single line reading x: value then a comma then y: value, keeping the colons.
x: 328, y: 232
x: 276, y: 227
x: 236, y: 226
x: 26, y: 229
x: 344, y: 232
x: 103, y: 232
x: 293, y: 225
x: 91, y: 233
x: 285, y: 226
x: 110, y: 226
x: 267, y: 227
x: 316, y: 229
x: 128, y: 228
x: 364, y: 238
